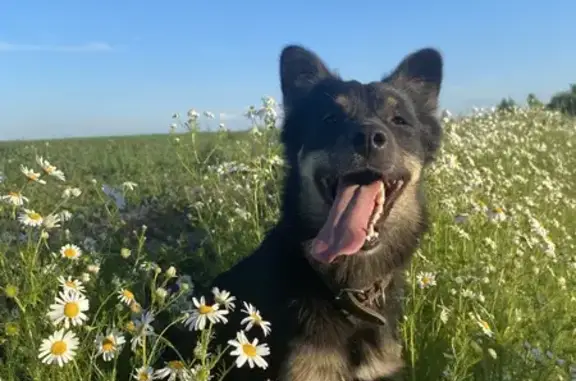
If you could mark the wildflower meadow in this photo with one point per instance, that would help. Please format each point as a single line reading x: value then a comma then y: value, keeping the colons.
x: 107, y: 243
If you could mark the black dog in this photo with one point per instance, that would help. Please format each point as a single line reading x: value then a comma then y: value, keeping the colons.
x: 329, y: 275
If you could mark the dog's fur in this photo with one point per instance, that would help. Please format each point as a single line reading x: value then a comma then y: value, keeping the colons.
x: 313, y: 337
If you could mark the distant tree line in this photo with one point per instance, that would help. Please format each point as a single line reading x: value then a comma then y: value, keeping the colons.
x: 564, y: 101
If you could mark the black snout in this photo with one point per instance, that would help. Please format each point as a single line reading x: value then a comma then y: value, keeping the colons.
x: 370, y: 140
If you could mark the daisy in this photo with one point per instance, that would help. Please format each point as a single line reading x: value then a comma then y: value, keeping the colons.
x: 426, y: 279
x: 14, y: 198
x: 129, y: 185
x: 224, y: 298
x: 70, y: 308
x: 51, y: 221
x: 71, y: 192
x: 59, y: 348
x: 204, y: 312
x: 144, y: 373
x: 71, y: 285
x: 70, y: 251
x: 65, y: 215
x: 141, y: 328
x: 497, y: 214
x: 254, y: 318
x: 50, y: 169
x: 110, y: 344
x: 30, y: 218
x: 126, y: 296
x: 31, y: 175
x: 249, y: 351
x: 483, y: 324
x: 175, y: 370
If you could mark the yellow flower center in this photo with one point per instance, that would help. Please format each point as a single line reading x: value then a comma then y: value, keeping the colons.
x: 11, y: 329
x: 71, y: 284
x: 58, y: 348
x: 204, y: 309
x: 49, y: 169
x: 498, y: 210
x: 426, y: 280
x: 135, y: 307
x: 485, y: 325
x: 130, y: 326
x: 11, y: 291
x: 257, y: 319
x: 175, y: 364
x: 143, y: 376
x: 32, y: 176
x: 249, y: 350
x: 71, y: 309
x: 69, y: 252
x: 13, y: 194
x: 107, y: 345
x: 128, y: 295
x: 34, y: 216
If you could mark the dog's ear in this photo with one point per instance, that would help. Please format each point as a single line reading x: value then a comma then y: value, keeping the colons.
x: 420, y: 76
x: 300, y: 70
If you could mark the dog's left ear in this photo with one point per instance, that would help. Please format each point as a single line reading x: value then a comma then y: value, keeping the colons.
x: 300, y: 70
x: 420, y: 76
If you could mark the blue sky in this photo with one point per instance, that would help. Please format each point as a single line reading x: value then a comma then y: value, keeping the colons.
x: 73, y: 68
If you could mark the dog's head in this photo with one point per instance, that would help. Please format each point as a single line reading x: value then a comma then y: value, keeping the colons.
x: 356, y: 152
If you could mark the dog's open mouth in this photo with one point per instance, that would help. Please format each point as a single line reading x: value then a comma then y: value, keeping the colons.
x: 361, y: 201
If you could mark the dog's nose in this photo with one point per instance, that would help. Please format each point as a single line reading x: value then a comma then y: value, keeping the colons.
x: 370, y: 140
x: 378, y: 139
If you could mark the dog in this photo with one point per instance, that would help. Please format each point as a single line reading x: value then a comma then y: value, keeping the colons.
x: 329, y: 275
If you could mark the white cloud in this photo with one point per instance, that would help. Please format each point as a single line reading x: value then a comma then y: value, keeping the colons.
x: 87, y: 47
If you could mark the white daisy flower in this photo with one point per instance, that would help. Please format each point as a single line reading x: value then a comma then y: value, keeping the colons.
x: 141, y: 328
x: 109, y: 344
x: 224, y: 298
x: 254, y: 318
x: 129, y: 185
x: 144, y: 373
x: 14, y: 198
x: 51, y: 221
x: 426, y: 279
x: 65, y: 215
x: 93, y: 268
x: 69, y: 308
x: 59, y: 348
x: 203, y: 312
x: 497, y: 214
x: 50, y: 169
x: 73, y: 285
x: 31, y: 175
x: 71, y: 192
x: 126, y: 296
x: 175, y: 371
x: 70, y: 251
x: 30, y: 218
x: 484, y: 325
x: 251, y: 352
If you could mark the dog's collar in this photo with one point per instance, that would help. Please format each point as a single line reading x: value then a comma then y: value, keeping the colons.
x: 362, y: 303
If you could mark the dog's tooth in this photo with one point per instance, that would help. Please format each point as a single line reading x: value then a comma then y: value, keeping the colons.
x: 382, y: 194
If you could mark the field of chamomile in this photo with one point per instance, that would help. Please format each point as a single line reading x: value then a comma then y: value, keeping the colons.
x: 106, y: 242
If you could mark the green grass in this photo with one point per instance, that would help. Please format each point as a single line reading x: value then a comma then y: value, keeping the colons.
x: 502, y: 198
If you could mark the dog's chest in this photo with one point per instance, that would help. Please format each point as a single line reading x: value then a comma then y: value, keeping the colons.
x: 327, y: 347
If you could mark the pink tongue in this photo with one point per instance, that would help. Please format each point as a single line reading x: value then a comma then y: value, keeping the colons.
x: 344, y: 232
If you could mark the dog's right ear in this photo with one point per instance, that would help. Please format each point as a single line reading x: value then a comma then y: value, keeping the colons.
x: 300, y: 70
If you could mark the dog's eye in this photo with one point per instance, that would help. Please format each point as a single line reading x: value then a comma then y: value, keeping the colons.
x: 329, y: 119
x: 399, y: 121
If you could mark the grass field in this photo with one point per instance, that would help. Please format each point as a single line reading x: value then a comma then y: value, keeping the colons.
x: 493, y: 287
